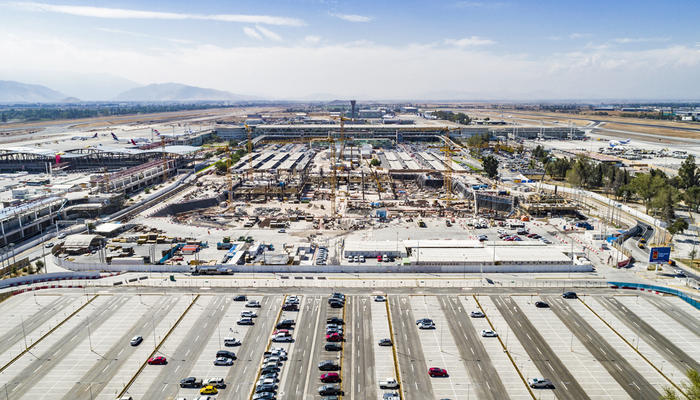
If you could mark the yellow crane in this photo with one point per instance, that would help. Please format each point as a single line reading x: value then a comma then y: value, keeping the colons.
x: 448, y: 150
x: 249, y: 173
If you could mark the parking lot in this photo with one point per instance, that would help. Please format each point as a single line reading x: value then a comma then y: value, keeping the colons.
x: 607, y: 345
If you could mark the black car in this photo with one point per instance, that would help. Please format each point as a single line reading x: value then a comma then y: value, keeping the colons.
x: 569, y: 295
x: 226, y: 354
x: 327, y: 390
x: 265, y: 396
x: 328, y: 365
x: 285, y: 324
x: 240, y: 297
x: 190, y: 382
x: 424, y: 321
x: 333, y: 347
x: 335, y: 320
x: 269, y: 369
x: 336, y: 304
x: 266, y: 388
x: 541, y: 304
x: 290, y: 307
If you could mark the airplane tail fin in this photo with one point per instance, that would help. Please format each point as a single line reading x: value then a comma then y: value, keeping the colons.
x: 114, y: 136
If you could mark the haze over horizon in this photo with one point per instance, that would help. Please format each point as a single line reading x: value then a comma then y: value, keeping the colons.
x: 334, y: 49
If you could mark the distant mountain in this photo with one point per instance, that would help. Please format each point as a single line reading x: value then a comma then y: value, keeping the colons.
x: 178, y: 92
x: 18, y: 92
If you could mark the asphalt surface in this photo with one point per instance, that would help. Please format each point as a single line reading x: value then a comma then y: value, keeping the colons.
x: 109, y: 364
x: 676, y: 313
x: 487, y: 383
x: 250, y: 353
x: 167, y: 383
x: 33, y: 373
x: 565, y: 386
x: 358, y: 365
x: 415, y: 382
x: 646, y: 332
x: 14, y: 335
x: 629, y: 378
x: 298, y: 367
x: 317, y: 352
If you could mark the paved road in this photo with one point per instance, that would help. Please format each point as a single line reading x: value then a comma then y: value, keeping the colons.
x: 487, y: 383
x: 680, y: 316
x: 358, y: 366
x: 660, y: 343
x: 167, y: 383
x: 298, y: 367
x: 317, y: 352
x: 242, y: 375
x: 566, y: 387
x: 16, y: 334
x: 40, y: 367
x: 416, y: 384
x: 109, y: 364
x: 617, y: 366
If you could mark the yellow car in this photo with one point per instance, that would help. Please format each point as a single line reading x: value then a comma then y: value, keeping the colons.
x: 208, y: 390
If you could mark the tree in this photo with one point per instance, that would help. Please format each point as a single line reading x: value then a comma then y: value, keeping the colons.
x: 688, y: 173
x: 220, y: 166
x: 39, y: 265
x: 691, y: 388
x: 490, y: 166
x: 678, y: 226
x: 665, y: 201
x: 691, y: 197
x: 558, y: 167
x: 375, y: 162
x: 646, y: 186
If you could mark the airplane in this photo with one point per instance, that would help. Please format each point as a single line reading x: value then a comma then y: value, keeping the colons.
x: 614, y: 143
x: 136, y: 141
x: 84, y: 137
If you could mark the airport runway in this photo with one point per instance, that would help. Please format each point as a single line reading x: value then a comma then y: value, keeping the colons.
x: 360, y: 382
x: 566, y: 387
x: 487, y: 383
x: 409, y: 351
x: 167, y: 383
x: 620, y: 369
x: 651, y: 336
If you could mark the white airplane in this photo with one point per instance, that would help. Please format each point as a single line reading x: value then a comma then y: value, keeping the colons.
x: 614, y: 143
x: 83, y: 137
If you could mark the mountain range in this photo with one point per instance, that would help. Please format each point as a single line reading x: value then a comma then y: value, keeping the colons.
x: 19, y: 92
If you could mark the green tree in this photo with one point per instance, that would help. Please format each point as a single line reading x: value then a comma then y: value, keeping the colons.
x: 665, y: 202
x: 220, y: 166
x: 375, y: 162
x: 558, y: 168
x: 39, y: 265
x: 688, y: 173
x: 490, y: 166
x: 691, y: 197
x: 677, y: 226
x: 690, y: 388
x: 646, y: 186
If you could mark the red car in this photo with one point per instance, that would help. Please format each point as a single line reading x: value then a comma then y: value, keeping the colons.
x: 331, y: 377
x: 334, y: 337
x: 435, y: 372
x: 532, y: 235
x: 283, y: 331
x: 159, y: 360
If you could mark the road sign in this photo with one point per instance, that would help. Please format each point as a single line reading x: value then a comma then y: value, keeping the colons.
x: 659, y: 254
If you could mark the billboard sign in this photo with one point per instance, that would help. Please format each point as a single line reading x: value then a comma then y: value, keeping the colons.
x: 659, y: 254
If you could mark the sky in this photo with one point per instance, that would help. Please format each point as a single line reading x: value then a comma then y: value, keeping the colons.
x: 369, y: 50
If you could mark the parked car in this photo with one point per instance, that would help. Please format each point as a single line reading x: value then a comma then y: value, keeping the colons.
x: 330, y: 377
x: 326, y: 390
x: 208, y: 390
x: 223, y: 361
x: 569, y: 295
x: 216, y: 382
x: 253, y: 304
x: 426, y: 325
x: 541, y: 304
x: 477, y: 314
x: 435, y: 372
x: 423, y: 320
x: 385, y: 342
x: 379, y: 298
x: 388, y: 383
x: 540, y: 383
x: 282, y: 339
x: 488, y: 333
x: 158, y: 360
x: 328, y: 365
x: 190, y: 382
x: 226, y: 354
x: 231, y: 342
x: 240, y: 297
x: 245, y: 321
x: 333, y: 347
x: 335, y: 320
x: 136, y: 340
x: 249, y: 314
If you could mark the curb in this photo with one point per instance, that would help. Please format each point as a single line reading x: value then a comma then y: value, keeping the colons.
x: 633, y: 348
x: 505, y: 350
x: 143, y: 365
x: 393, y: 350
x: 52, y: 330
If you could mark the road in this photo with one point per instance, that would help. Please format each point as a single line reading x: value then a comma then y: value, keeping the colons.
x: 241, y: 376
x: 409, y: 351
x: 487, y: 383
x: 676, y: 313
x: 617, y: 366
x: 41, y: 366
x: 167, y: 383
x: 109, y: 364
x: 566, y: 387
x: 358, y: 366
x: 317, y: 352
x: 651, y: 336
x: 298, y: 368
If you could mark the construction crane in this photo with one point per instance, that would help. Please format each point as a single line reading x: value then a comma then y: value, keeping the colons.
x: 448, y: 150
x: 165, y: 159
x: 229, y: 177
x: 376, y: 179
x: 249, y: 173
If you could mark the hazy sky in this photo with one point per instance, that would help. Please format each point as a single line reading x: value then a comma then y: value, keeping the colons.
x: 562, y: 49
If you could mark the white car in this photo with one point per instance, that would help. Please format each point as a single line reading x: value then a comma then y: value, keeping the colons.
x: 248, y: 314
x: 426, y: 325
x: 229, y: 342
x: 217, y: 382
x: 281, y: 338
x: 379, y: 298
x: 362, y: 259
x: 477, y: 314
x: 388, y: 383
x: 488, y: 333
x: 253, y: 304
x: 223, y: 361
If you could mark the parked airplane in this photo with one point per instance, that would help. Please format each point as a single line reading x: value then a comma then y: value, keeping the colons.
x: 84, y: 137
x: 614, y: 143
